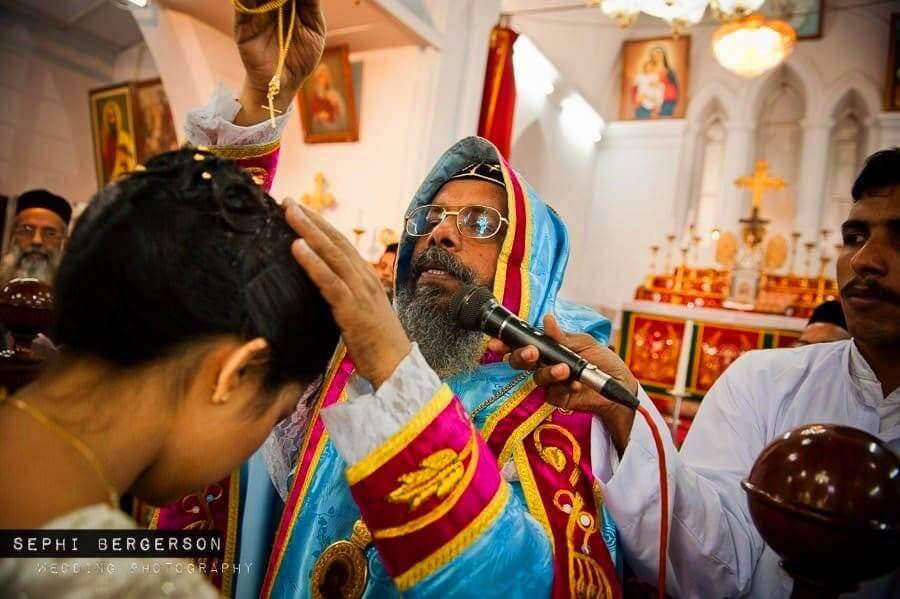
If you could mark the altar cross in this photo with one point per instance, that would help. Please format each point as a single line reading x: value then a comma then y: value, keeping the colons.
x: 760, y: 182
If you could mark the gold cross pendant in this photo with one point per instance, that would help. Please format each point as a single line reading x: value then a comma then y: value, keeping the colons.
x: 272, y: 110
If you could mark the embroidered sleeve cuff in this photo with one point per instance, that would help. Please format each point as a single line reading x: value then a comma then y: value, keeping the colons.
x: 364, y: 423
x: 429, y: 491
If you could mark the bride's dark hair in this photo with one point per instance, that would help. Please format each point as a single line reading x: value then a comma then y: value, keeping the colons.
x: 184, y: 250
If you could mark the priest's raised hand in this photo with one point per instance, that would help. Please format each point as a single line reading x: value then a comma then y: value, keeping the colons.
x: 572, y: 395
x: 256, y: 31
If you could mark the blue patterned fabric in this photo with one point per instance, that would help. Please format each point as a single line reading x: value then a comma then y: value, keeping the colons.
x: 513, y: 557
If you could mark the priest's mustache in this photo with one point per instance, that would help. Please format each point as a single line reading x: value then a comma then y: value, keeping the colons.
x: 435, y: 257
x: 870, y: 288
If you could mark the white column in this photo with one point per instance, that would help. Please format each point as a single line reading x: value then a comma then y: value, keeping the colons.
x: 811, y: 182
x: 191, y: 58
x: 685, y: 192
x: 888, y: 126
x: 737, y: 162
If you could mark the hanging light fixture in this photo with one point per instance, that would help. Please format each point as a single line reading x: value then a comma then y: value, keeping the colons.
x: 753, y: 45
x: 625, y: 12
x: 130, y: 4
x: 730, y: 10
x: 679, y: 14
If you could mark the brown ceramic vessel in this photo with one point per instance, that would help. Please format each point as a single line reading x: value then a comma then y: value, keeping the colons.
x: 826, y: 498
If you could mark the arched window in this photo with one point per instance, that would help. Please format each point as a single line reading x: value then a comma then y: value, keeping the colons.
x: 848, y: 140
x: 780, y: 142
x: 709, y: 188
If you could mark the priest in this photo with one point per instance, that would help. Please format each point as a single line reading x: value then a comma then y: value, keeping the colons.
x: 39, y: 232
x: 435, y: 466
x: 425, y: 465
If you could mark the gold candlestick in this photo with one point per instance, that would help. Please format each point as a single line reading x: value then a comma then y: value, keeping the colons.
x: 679, y: 273
x: 358, y: 233
x: 823, y: 264
x: 795, y: 241
x: 820, y: 288
x: 670, y: 239
x: 807, y: 261
x: 695, y: 241
x: 654, y: 249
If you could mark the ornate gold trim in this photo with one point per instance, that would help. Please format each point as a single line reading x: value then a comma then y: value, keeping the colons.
x: 244, y: 152
x: 269, y: 581
x: 500, y: 274
x: 532, y: 494
x: 393, y: 446
x: 234, y: 493
x: 457, y: 544
x: 522, y: 431
x: 525, y: 291
x: 352, y: 555
x: 445, y: 506
x: 506, y: 408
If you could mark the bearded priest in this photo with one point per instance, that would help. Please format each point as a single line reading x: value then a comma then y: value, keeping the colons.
x: 424, y: 465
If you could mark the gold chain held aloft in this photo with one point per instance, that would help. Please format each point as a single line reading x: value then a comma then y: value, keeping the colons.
x: 284, y: 43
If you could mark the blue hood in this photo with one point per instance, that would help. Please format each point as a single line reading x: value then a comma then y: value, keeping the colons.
x: 535, y: 251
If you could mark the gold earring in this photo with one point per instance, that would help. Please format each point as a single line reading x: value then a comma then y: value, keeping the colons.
x: 218, y: 399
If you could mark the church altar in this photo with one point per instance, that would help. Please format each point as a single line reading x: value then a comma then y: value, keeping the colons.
x: 787, y: 294
x: 677, y: 350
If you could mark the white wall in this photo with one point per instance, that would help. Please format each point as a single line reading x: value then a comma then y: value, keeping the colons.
x: 373, y: 179
x: 135, y: 64
x: 45, y: 129
x: 45, y: 123
x: 414, y: 103
x: 642, y: 172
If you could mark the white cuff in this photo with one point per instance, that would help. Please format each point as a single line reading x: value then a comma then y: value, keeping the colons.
x: 634, y: 485
x: 213, y: 124
x: 357, y: 427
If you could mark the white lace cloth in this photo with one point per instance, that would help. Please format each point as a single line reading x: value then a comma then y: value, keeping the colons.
x: 83, y: 578
x: 283, y: 443
x: 212, y: 125
x: 370, y: 417
x: 360, y: 425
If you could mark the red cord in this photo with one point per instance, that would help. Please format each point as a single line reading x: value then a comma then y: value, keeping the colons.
x: 664, y: 503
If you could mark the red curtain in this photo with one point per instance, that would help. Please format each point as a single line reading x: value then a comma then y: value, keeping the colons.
x: 498, y: 100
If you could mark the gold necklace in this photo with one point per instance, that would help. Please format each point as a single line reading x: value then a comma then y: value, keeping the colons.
x: 79, y: 445
x: 506, y: 389
x: 284, y: 43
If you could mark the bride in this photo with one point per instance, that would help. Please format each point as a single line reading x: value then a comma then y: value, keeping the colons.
x: 187, y: 330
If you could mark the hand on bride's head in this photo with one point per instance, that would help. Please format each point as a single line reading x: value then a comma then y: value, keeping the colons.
x: 180, y: 277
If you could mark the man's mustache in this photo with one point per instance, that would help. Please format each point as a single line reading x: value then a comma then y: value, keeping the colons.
x: 441, y: 259
x: 869, y: 289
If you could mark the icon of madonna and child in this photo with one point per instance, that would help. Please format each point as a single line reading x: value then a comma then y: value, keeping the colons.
x: 654, y: 80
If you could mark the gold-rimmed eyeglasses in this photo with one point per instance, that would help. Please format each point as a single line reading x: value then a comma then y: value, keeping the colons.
x: 476, y: 222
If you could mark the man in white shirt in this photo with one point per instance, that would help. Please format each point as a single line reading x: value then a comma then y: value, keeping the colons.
x: 714, y: 548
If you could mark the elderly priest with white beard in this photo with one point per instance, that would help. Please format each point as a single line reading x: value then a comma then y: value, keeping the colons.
x: 39, y: 232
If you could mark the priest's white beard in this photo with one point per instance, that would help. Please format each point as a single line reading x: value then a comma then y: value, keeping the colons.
x: 33, y: 263
x: 424, y: 313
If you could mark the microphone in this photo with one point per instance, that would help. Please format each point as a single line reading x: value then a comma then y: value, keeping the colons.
x: 475, y: 308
